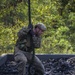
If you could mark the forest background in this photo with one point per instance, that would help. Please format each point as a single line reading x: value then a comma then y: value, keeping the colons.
x: 57, y: 15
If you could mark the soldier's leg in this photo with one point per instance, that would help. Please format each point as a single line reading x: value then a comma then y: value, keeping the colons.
x: 21, y: 62
x: 39, y: 66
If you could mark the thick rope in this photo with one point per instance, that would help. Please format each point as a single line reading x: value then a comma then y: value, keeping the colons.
x: 30, y: 26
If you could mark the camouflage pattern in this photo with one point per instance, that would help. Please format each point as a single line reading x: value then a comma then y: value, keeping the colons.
x: 37, y: 41
x: 24, y: 42
x: 22, y: 58
x: 41, y: 26
x: 23, y: 51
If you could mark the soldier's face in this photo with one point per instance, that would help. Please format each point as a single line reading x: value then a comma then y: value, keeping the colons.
x: 39, y: 31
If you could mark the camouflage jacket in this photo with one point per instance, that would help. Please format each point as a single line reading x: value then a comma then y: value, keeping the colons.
x: 24, y: 41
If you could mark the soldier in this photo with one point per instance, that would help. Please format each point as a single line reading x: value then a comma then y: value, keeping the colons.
x: 23, y: 48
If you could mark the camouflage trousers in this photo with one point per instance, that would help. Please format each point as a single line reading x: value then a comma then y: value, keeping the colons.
x: 23, y: 58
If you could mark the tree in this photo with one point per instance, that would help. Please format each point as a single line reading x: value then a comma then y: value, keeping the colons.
x: 57, y: 15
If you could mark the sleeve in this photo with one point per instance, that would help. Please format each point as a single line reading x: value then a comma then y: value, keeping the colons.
x: 22, y: 33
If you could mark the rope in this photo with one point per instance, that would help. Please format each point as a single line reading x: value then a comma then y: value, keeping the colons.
x: 30, y: 26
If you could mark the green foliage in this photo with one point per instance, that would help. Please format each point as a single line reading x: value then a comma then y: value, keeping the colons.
x: 57, y: 15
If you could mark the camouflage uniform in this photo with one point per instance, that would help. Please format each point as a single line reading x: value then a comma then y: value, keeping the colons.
x: 23, y: 51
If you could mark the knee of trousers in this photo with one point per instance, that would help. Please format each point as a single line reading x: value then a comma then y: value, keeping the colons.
x: 21, y: 60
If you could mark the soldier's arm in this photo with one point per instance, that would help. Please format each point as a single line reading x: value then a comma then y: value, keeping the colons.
x: 22, y: 33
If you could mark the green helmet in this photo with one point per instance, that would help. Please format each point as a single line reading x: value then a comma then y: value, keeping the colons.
x: 41, y: 26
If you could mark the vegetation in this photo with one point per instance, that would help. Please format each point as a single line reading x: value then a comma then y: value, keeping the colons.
x: 57, y: 15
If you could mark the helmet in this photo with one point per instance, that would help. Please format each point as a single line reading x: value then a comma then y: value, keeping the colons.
x: 41, y: 26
